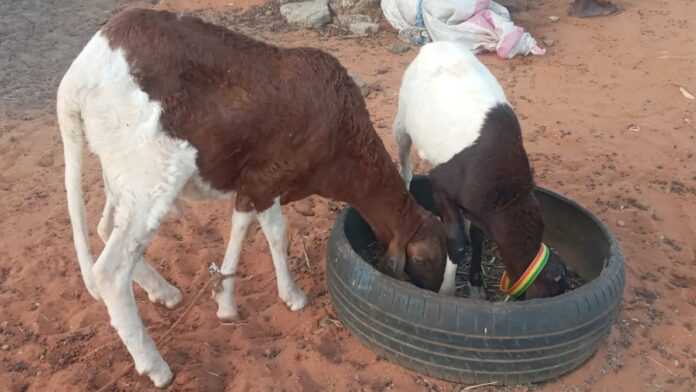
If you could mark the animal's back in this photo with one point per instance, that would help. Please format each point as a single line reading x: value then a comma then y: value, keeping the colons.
x: 445, y: 96
x: 255, y: 113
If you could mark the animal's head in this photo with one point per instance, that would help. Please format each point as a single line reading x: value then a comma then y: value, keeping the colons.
x: 552, y: 280
x: 422, y: 257
x: 519, y: 232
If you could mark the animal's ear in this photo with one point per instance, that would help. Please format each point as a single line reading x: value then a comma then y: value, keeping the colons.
x: 396, y: 260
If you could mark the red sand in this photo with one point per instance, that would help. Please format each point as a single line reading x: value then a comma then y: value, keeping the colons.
x: 604, y: 122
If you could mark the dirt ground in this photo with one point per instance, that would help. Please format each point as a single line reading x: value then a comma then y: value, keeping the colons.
x: 604, y: 122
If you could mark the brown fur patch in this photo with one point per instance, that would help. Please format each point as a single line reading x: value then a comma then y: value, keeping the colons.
x: 266, y: 121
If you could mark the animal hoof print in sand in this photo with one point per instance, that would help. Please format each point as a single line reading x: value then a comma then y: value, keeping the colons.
x: 472, y: 341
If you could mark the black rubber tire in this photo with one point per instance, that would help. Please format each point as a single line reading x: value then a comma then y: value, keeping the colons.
x: 467, y: 341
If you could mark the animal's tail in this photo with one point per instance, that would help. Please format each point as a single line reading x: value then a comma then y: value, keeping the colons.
x: 72, y: 133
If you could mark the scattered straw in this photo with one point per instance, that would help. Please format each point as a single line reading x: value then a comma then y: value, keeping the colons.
x: 472, y: 387
x: 671, y: 373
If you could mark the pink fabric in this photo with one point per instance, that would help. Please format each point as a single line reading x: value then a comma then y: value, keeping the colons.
x: 482, y: 5
x: 480, y: 19
x: 509, y: 42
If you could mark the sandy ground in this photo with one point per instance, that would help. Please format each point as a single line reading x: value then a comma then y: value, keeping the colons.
x: 604, y: 122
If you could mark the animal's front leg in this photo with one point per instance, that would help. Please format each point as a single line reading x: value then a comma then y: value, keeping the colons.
x: 227, y: 306
x: 275, y: 229
x: 476, y: 289
x: 457, y: 240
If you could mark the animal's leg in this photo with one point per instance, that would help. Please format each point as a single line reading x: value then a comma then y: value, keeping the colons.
x: 227, y: 306
x: 106, y: 223
x: 157, y: 288
x: 142, y: 200
x: 275, y: 229
x: 476, y: 289
x: 403, y: 142
x: 457, y: 241
x: 113, y: 274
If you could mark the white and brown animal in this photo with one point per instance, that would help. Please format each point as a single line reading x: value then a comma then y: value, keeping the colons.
x: 175, y: 107
x: 455, y: 113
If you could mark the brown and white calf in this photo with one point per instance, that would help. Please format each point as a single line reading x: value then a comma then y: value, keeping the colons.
x: 175, y: 107
x: 455, y: 113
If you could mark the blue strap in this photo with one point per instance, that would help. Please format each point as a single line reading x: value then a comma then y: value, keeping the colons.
x: 419, y: 14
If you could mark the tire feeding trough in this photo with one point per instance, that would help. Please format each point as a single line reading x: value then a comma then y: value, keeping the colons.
x: 468, y: 341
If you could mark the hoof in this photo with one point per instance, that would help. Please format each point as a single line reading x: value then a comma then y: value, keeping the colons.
x: 162, y: 378
x: 296, y: 300
x: 171, y: 299
x: 227, y: 315
x: 158, y: 372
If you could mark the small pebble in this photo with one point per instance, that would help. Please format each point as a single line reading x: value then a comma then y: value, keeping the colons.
x: 621, y: 223
x: 364, y: 28
x: 5, y: 347
x: 549, y: 42
x: 400, y: 47
x: 554, y: 18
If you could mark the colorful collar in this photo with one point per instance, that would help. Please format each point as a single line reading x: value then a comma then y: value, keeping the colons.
x: 528, y: 277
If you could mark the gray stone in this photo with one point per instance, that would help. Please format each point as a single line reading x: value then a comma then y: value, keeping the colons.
x: 310, y: 14
x: 400, y: 47
x: 349, y: 19
x: 347, y: 7
x: 364, y: 88
x: 363, y: 28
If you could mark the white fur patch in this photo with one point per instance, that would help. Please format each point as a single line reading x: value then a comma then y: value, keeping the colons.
x: 444, y: 97
x: 146, y: 171
x: 448, y: 286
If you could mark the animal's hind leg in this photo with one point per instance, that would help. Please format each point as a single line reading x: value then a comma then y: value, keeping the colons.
x: 403, y: 142
x: 113, y: 273
x: 157, y: 288
x: 142, y: 201
x: 106, y: 223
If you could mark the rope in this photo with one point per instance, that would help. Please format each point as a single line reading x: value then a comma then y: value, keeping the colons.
x: 215, y: 281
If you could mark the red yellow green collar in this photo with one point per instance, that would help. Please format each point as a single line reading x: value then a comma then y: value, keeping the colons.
x: 528, y: 277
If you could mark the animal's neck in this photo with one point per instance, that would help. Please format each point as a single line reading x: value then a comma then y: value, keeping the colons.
x: 377, y: 192
x: 520, y: 230
x: 390, y: 214
x: 517, y: 260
